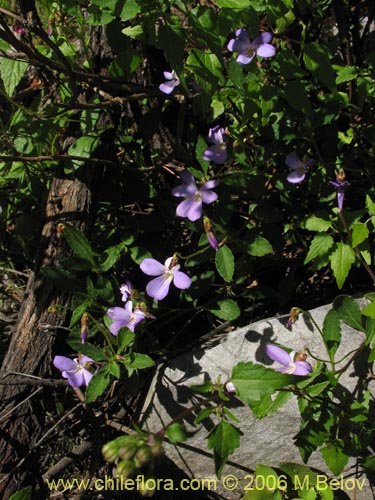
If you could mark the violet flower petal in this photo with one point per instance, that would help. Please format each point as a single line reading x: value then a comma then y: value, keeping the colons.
x: 152, y: 267
x: 158, y: 288
x: 190, y: 209
x: 181, y: 280
x: 266, y: 50
x: 244, y: 58
x: 295, y: 177
x: 302, y: 368
x: 217, y: 154
x: 277, y: 354
x: 63, y: 363
x: 210, y: 184
x: 167, y: 87
x: 209, y: 196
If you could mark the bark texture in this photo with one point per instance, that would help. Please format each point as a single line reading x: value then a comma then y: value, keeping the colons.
x: 41, y: 317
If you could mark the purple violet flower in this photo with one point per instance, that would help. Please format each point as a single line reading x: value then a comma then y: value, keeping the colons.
x: 298, y: 167
x: 218, y: 152
x: 126, y: 290
x: 290, y: 362
x: 340, y: 184
x: 166, y: 273
x: 172, y: 82
x: 247, y: 50
x: 195, y: 197
x: 75, y: 370
x: 229, y: 387
x: 125, y: 317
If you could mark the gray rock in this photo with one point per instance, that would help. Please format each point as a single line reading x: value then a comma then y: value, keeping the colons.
x: 267, y: 441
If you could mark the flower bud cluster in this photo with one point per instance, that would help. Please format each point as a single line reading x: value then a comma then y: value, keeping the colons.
x: 133, y: 453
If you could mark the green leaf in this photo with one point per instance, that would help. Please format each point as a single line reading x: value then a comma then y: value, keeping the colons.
x: 205, y: 387
x: 229, y: 310
x: 304, y: 473
x: 314, y: 223
x: 253, y: 381
x: 233, y: 4
x: 318, y: 63
x: 11, y: 73
x: 360, y: 233
x: 87, y: 349
x: 208, y: 70
x: 266, y: 406
x: 259, y: 247
x: 97, y: 385
x: 335, y: 458
x: 205, y: 413
x: 370, y: 329
x: 114, y: 369
x: 136, y: 361
x: 84, y: 146
x: 348, y: 311
x: 79, y: 243
x: 256, y: 494
x: 319, y: 246
x: 345, y: 73
x: 332, y: 332
x: 24, y: 494
x: 224, y: 261
x: 124, y: 338
x: 176, y: 433
x: 341, y: 262
x: 369, y: 310
x: 172, y: 41
x: 63, y: 279
x: 130, y: 10
x: 78, y: 312
x: 134, y: 32
x: 223, y: 439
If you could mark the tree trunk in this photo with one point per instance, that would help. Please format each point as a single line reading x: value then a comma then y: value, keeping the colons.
x: 42, y: 314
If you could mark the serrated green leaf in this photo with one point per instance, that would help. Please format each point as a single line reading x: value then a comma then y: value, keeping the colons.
x: 172, y: 41
x: 266, y: 406
x: 97, y: 385
x: 345, y: 73
x: 223, y: 439
x: 314, y: 223
x: 253, y: 381
x: 341, y: 261
x: 205, y: 413
x: 130, y: 10
x: 360, y: 233
x: 79, y: 243
x: 224, y: 261
x: 11, y: 73
x: 207, y: 70
x: 124, y: 338
x: 114, y: 369
x: 134, y: 32
x: 63, y: 279
x: 348, y: 311
x: 84, y: 146
x: 335, y: 458
x: 319, y: 246
x: 229, y: 310
x: 137, y: 361
x: 205, y: 387
x: 332, y: 332
x: 259, y: 247
x: 87, y: 349
x: 318, y: 63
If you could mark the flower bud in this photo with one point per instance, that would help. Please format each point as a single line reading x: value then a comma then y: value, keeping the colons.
x: 143, y: 456
x: 126, y: 469
x: 110, y: 451
x: 128, y: 451
x: 147, y: 487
